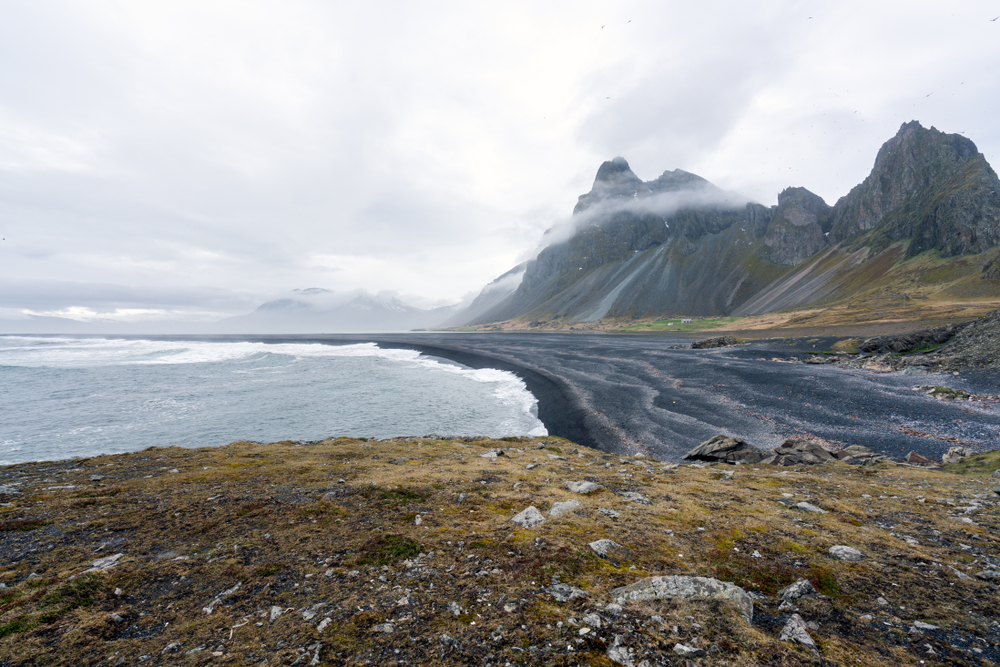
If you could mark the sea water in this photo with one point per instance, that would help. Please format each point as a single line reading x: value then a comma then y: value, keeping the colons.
x: 77, y: 397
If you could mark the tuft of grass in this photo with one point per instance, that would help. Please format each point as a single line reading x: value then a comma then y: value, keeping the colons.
x: 386, y: 549
x: 22, y: 524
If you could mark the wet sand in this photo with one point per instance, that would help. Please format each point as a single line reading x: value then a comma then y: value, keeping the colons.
x: 632, y: 394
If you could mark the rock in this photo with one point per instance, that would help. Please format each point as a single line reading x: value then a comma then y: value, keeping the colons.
x: 564, y: 592
x: 995, y: 474
x: 492, y: 454
x: 583, y: 487
x: 610, y: 513
x: 611, y: 551
x: 116, y: 618
x: 276, y: 611
x: 686, y: 651
x: 709, y: 343
x: 385, y: 628
x: 450, y: 642
x: 620, y: 654
x: 798, y: 451
x: 955, y: 454
x: 809, y: 507
x: 988, y: 575
x: 917, y: 459
x: 96, y: 478
x: 558, y: 509
x: 801, y: 588
x: 105, y: 563
x: 919, y: 627
x: 171, y: 648
x: 795, y: 631
x: 324, y: 624
x: 454, y: 609
x: 593, y: 620
x: 529, y: 518
x: 724, y: 449
x: 634, y: 497
x: 996, y: 489
x: 841, y: 552
x: 685, y: 587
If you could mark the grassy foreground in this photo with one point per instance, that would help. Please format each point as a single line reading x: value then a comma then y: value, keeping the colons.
x: 349, y: 552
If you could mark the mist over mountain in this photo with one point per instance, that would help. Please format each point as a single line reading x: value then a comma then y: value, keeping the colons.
x: 680, y: 245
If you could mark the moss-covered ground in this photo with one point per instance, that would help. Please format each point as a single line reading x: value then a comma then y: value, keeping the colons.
x: 350, y: 552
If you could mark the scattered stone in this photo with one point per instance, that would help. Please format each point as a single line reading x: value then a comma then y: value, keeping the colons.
x: 564, y: 592
x: 221, y: 596
x: 995, y: 474
x: 955, y: 454
x: 454, y: 608
x: 558, y: 509
x: 532, y: 466
x: 116, y: 618
x: 275, y: 613
x: 917, y: 459
x: 801, y: 588
x: 988, y: 575
x: 593, y: 620
x: 554, y: 457
x: 529, y: 518
x: 96, y: 478
x: 686, y: 651
x: 324, y: 624
x: 492, y: 454
x: 583, y: 487
x: 172, y: 647
x: 684, y: 587
x: 634, y: 497
x: 417, y: 520
x: 919, y: 627
x: 611, y: 551
x: 105, y: 563
x: 841, y: 552
x: 795, y: 631
x: 723, y: 449
x: 610, y: 513
x: 709, y: 343
x: 385, y: 628
x: 450, y: 642
x: 809, y: 507
x: 402, y: 460
x: 799, y: 451
x: 620, y: 653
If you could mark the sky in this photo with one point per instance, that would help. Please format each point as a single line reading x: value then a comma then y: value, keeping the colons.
x: 188, y: 161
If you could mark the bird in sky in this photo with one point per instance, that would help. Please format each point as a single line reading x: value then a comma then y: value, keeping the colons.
x: 994, y: 20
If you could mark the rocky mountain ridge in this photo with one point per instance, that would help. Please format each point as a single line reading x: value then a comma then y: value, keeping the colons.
x: 679, y: 245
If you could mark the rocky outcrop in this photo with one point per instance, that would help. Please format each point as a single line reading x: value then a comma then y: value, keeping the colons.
x: 934, y: 188
x: 680, y: 587
x: 708, y: 343
x: 798, y: 227
x: 723, y: 449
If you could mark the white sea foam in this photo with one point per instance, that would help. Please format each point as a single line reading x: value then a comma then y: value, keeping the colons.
x: 516, y: 413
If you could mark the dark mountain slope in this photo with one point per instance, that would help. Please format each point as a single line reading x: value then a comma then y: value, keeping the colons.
x: 680, y: 245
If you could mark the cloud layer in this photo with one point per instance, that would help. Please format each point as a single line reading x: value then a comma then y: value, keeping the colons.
x: 195, y: 158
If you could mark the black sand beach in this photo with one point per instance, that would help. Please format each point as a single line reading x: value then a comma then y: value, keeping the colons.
x: 634, y: 394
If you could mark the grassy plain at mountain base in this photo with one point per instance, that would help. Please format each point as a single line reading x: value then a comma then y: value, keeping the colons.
x: 240, y: 554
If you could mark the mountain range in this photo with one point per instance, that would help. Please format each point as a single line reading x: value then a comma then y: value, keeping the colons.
x: 927, y: 218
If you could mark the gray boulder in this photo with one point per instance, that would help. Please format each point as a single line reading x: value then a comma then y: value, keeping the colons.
x: 528, y: 517
x: 955, y: 454
x: 723, y: 449
x: 683, y: 587
x: 841, y: 552
x: 558, y: 509
x: 795, y: 631
x: 795, y: 451
x: 583, y: 487
x: 800, y: 589
x: 610, y: 551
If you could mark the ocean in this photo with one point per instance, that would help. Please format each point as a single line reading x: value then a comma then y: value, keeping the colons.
x: 78, y: 397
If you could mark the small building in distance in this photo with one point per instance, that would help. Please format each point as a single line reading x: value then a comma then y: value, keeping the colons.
x: 686, y: 320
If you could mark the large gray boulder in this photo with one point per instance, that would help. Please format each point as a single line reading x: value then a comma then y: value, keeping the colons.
x: 795, y: 451
x: 689, y: 588
x: 723, y: 449
x: 528, y: 517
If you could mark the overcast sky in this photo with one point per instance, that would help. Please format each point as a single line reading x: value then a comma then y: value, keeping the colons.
x: 192, y: 159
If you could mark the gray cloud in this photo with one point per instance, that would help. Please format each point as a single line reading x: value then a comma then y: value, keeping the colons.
x: 200, y: 157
